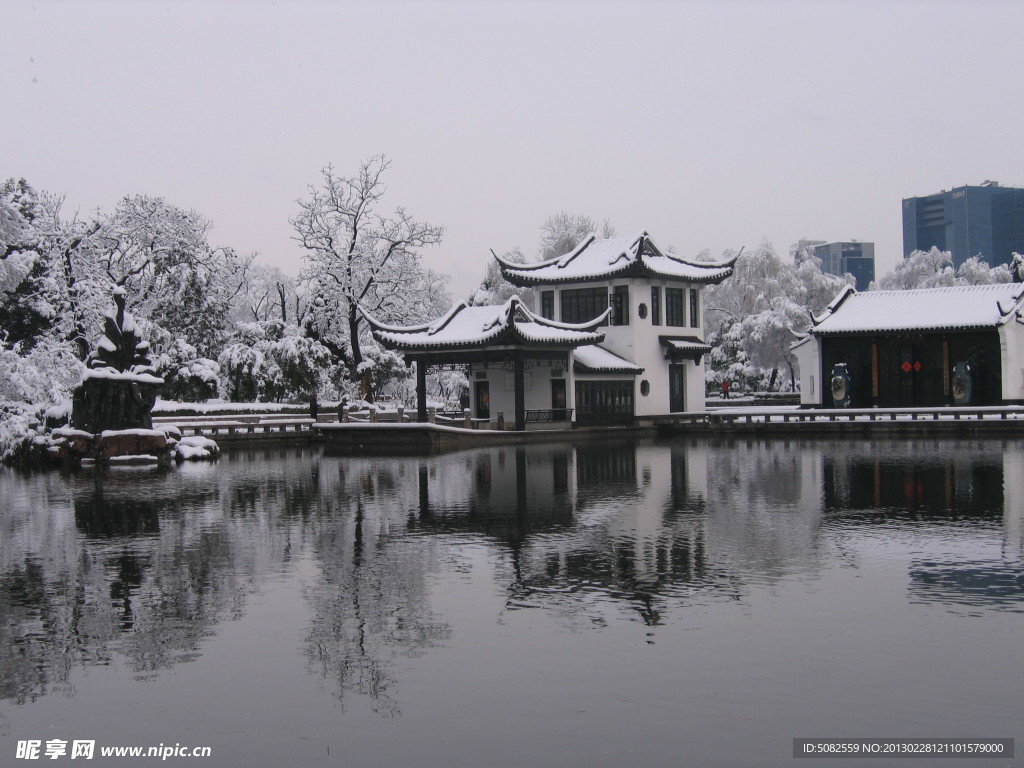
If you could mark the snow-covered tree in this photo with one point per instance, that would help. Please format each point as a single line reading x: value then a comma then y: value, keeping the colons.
x: 448, y: 386
x: 272, y: 362
x: 760, y: 310
x: 187, y: 376
x: 975, y: 271
x: 358, y: 256
x: 16, y: 237
x: 563, y: 231
x: 560, y: 233
x: 934, y: 269
x: 382, y: 369
x: 161, y: 254
x: 494, y: 289
x: 269, y: 294
x: 29, y: 293
x: 66, y: 267
x: 921, y: 269
x: 803, y: 249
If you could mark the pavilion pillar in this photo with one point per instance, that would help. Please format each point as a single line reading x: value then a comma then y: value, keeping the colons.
x: 421, y: 391
x: 519, y: 372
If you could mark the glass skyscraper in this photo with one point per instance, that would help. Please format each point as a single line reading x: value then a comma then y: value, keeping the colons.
x: 986, y: 220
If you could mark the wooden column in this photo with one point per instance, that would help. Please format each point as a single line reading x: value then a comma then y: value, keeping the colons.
x: 421, y: 391
x: 519, y: 368
x: 874, y: 374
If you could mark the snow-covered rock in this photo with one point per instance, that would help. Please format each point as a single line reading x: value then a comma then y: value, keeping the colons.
x: 196, y: 449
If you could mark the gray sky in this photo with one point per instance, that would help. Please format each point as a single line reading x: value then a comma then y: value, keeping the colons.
x: 709, y: 124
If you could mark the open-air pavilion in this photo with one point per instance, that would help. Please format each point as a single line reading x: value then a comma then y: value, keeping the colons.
x: 534, y: 353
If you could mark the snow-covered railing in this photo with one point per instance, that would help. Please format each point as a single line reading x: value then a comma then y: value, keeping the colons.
x: 239, y: 429
x: 754, y: 417
x: 548, y: 414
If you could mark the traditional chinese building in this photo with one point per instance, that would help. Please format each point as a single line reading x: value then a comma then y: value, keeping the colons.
x: 959, y: 345
x: 619, y: 336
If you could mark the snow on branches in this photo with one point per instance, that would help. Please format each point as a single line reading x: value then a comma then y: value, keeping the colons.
x: 357, y: 255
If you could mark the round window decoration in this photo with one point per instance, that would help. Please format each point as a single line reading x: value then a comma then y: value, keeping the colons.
x: 645, y: 388
x: 643, y: 311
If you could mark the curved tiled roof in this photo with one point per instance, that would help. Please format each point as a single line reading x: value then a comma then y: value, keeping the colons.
x: 595, y: 359
x: 603, y: 259
x: 465, y: 327
x: 924, y: 309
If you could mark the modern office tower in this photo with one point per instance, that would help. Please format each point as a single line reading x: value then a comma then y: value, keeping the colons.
x: 986, y: 220
x: 851, y: 256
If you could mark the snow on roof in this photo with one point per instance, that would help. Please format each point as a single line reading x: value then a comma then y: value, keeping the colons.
x: 924, y: 309
x: 599, y: 259
x: 687, y: 345
x: 595, y: 359
x: 463, y: 327
x: 684, y: 346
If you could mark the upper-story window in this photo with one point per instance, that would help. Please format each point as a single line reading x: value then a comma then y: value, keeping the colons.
x: 655, y: 305
x: 694, y: 309
x: 547, y: 305
x: 675, y: 307
x: 620, y: 305
x: 582, y: 304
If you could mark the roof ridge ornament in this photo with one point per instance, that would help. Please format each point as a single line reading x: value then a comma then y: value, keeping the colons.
x: 833, y: 305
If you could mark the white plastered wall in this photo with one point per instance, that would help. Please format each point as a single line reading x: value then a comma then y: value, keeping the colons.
x: 537, y: 396
x: 808, y: 358
x: 638, y: 342
x: 1011, y: 342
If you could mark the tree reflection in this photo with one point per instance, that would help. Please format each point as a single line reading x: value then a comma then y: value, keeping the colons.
x: 139, y: 569
x: 370, y: 605
x: 135, y: 565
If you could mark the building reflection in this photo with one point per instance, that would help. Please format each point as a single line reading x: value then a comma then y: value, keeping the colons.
x: 649, y: 524
x: 919, y: 478
x: 144, y: 567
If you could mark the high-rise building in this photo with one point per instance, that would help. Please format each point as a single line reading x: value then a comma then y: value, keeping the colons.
x: 855, y: 258
x: 986, y: 220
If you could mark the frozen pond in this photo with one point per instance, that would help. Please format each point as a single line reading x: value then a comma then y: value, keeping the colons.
x: 687, y: 603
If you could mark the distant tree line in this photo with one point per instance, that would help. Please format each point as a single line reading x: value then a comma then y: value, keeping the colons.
x: 223, y: 325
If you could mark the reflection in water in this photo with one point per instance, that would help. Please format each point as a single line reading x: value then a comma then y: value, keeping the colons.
x: 370, y: 604
x: 916, y: 479
x: 144, y: 567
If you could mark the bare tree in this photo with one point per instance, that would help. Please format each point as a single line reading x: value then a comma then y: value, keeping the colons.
x: 269, y: 294
x: 356, y: 255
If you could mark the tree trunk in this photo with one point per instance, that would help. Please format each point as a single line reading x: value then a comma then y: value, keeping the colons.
x: 353, y: 334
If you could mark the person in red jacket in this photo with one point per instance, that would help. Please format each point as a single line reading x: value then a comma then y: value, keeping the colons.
x: 725, y: 389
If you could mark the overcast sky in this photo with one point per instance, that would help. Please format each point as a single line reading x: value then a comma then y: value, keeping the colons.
x: 709, y: 124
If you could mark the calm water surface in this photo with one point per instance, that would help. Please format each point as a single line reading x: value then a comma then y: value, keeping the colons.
x: 631, y: 603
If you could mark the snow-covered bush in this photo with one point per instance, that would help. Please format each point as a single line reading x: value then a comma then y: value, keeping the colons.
x: 43, y: 375
x: 301, y: 364
x: 286, y: 365
x: 20, y: 432
x: 240, y: 367
x: 380, y: 369
x: 31, y: 382
x: 187, y: 376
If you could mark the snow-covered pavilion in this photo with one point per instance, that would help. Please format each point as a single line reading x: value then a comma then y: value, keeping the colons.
x: 957, y: 345
x: 531, y: 353
x: 618, y: 336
